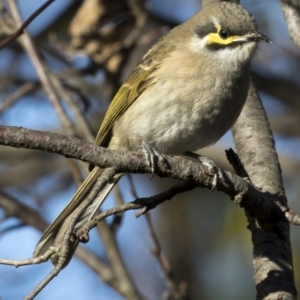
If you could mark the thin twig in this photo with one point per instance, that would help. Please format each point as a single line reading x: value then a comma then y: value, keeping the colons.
x: 237, y: 165
x: 178, y: 292
x: 15, y: 35
x: 144, y: 204
x: 43, y: 283
x: 117, y: 220
x: 29, y: 261
x: 41, y: 70
x: 174, y: 291
x: 66, y: 247
x: 179, y: 188
x: 75, y: 171
x: 20, y: 92
x: 132, y: 187
x: 29, y: 216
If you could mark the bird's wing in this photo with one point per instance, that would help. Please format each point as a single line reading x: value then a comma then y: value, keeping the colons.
x: 136, y: 83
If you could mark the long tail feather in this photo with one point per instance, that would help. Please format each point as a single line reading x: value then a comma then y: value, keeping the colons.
x: 56, y: 230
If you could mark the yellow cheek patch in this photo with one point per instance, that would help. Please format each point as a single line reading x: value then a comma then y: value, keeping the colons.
x: 214, y: 38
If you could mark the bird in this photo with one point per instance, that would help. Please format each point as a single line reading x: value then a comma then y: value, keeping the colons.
x: 185, y: 94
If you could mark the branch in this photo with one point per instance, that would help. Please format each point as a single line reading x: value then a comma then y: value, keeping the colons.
x: 291, y: 11
x: 20, y: 31
x: 23, y: 90
x: 272, y: 250
x: 143, y: 204
x: 273, y: 264
x: 29, y: 216
x: 263, y: 205
x: 175, y: 291
x: 42, y: 71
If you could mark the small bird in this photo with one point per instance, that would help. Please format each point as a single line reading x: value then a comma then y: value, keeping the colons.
x: 184, y: 95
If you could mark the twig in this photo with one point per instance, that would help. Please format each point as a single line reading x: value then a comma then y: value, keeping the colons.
x: 29, y: 261
x: 43, y: 283
x: 41, y: 70
x: 140, y: 20
x: 15, y: 208
x: 140, y: 17
x: 62, y: 257
x: 62, y: 252
x: 178, y: 292
x: 237, y: 165
x: 132, y: 187
x: 117, y: 220
x: 29, y: 216
x: 75, y: 171
x: 122, y: 278
x: 15, y: 35
x: 153, y: 201
x: 11, y: 228
x: 20, y: 92
x: 241, y: 191
x: 81, y: 121
x: 144, y: 204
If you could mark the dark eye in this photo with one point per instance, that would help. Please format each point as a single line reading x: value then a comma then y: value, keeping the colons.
x: 223, y: 34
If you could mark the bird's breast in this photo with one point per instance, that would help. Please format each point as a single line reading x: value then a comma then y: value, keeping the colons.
x: 182, y: 113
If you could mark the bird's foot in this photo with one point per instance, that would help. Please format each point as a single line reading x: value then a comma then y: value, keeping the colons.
x: 212, y: 169
x: 152, y: 156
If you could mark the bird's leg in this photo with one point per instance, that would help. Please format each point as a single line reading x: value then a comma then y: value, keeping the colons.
x: 152, y: 156
x: 212, y: 167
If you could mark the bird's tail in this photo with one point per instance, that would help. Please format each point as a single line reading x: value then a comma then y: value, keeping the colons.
x: 58, y: 228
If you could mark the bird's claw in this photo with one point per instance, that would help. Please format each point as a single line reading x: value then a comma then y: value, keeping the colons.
x: 212, y: 169
x: 152, y: 156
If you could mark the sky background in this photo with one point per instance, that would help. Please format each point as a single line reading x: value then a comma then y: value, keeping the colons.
x: 225, y: 264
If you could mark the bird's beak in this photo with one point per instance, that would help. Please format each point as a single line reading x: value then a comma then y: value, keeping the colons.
x: 253, y: 37
x: 257, y: 37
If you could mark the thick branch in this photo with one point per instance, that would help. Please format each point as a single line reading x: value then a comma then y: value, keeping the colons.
x: 272, y: 250
x: 242, y: 192
x: 291, y: 11
x: 254, y: 141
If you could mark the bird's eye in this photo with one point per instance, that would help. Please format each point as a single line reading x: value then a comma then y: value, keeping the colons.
x: 223, y: 34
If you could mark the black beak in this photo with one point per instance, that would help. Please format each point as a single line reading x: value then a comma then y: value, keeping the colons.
x: 257, y: 37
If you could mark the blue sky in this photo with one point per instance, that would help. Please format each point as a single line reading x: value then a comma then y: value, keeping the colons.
x: 133, y: 236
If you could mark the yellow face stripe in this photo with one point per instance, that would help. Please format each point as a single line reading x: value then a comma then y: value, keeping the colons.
x: 214, y: 38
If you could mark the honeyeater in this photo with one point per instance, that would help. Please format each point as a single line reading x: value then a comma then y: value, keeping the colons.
x: 185, y: 93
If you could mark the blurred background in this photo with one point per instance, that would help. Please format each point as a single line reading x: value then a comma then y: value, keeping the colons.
x: 87, y: 48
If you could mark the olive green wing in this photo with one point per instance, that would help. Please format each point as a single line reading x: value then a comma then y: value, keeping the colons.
x: 132, y: 88
x: 127, y: 94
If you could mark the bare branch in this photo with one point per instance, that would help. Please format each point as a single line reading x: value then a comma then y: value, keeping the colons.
x: 152, y: 202
x: 28, y: 216
x: 257, y: 203
x: 14, y: 36
x: 291, y: 11
x: 175, y: 291
x: 243, y: 193
x: 42, y: 71
x: 272, y: 249
x: 20, y: 92
x: 29, y: 261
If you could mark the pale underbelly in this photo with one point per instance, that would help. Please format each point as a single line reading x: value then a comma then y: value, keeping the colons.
x: 177, y: 119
